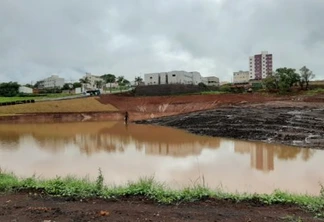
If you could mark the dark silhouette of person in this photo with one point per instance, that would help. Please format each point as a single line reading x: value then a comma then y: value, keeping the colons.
x: 126, y: 117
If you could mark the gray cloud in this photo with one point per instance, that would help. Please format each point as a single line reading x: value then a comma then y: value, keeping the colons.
x: 125, y: 37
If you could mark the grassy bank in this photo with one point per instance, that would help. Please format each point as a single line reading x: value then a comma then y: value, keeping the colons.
x: 314, y: 92
x: 89, y: 104
x: 48, y: 96
x: 84, y: 188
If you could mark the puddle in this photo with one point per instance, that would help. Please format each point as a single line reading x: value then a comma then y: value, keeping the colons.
x: 172, y: 156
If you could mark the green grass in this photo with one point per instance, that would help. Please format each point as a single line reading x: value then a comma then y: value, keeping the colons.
x: 212, y: 92
x: 292, y: 219
x: 75, y: 188
x: 313, y: 92
x: 18, y: 98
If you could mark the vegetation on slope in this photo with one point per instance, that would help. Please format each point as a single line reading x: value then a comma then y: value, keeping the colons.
x: 74, y: 105
x: 35, y: 97
x: 74, y: 188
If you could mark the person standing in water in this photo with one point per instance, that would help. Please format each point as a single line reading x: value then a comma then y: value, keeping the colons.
x: 126, y: 118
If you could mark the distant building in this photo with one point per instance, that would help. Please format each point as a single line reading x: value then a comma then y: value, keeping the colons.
x: 210, y: 81
x: 112, y: 85
x: 172, y: 77
x: 241, y: 77
x: 260, y: 65
x: 93, y: 80
x: 52, y: 82
x: 24, y: 89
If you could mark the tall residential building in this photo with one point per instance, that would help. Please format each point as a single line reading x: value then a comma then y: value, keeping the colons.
x: 262, y: 158
x: 260, y: 65
x: 241, y: 77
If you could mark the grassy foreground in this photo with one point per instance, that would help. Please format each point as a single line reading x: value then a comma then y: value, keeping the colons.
x: 89, y: 104
x: 48, y: 96
x: 147, y: 187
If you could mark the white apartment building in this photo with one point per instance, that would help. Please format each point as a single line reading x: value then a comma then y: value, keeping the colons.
x: 210, y: 80
x: 172, y: 77
x: 241, y: 77
x: 53, y: 81
x: 260, y: 65
x: 92, y: 81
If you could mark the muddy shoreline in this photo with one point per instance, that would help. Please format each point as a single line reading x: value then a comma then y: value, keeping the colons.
x: 33, y: 207
x: 296, y: 124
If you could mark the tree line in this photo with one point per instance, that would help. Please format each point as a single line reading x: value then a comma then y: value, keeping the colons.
x: 9, y: 89
x: 110, y: 79
x: 283, y: 79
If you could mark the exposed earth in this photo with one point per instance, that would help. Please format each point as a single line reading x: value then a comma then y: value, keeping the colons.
x: 24, y: 207
x: 284, y: 122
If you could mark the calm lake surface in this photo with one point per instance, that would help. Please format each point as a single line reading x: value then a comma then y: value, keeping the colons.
x: 172, y: 156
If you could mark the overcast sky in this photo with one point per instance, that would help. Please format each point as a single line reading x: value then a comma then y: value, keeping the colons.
x: 132, y: 37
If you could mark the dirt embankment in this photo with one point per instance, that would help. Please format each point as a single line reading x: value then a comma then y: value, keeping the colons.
x: 290, y: 123
x: 157, y: 106
x: 23, y: 207
x: 112, y: 107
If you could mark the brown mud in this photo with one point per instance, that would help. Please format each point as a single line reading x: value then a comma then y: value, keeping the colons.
x: 24, y: 207
x: 297, y: 124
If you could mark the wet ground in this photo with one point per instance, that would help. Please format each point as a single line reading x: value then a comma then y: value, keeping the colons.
x: 296, y: 124
x: 24, y: 207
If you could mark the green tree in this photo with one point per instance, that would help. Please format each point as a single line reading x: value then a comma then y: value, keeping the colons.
x: 29, y: 85
x: 38, y: 84
x: 286, y: 78
x: 202, y: 85
x: 138, y: 80
x: 271, y: 83
x: 77, y: 85
x: 99, y: 84
x: 225, y: 88
x: 109, y: 78
x: 288, y: 75
x: 84, y: 80
x: 9, y: 89
x: 66, y: 86
x: 305, y: 76
x: 122, y: 82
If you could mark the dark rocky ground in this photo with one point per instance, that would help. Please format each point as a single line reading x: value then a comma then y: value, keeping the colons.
x: 23, y: 207
x: 296, y: 124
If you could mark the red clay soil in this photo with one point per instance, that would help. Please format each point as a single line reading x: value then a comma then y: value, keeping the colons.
x: 24, y: 207
x: 157, y: 106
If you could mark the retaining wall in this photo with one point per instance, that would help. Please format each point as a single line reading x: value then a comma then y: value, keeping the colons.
x: 170, y: 89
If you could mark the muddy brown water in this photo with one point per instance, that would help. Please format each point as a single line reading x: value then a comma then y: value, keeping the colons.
x: 172, y: 156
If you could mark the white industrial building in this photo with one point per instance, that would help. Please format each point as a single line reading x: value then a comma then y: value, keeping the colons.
x: 210, y: 80
x: 52, y: 82
x: 172, y: 77
x: 241, y: 77
x: 25, y: 89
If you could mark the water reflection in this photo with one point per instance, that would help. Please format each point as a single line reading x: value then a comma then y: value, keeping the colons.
x: 173, y: 156
x: 110, y: 137
x: 262, y: 155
